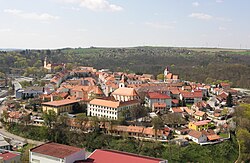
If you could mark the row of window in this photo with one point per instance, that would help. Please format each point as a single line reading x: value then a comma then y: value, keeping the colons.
x: 103, y: 111
x: 105, y: 116
x: 103, y: 107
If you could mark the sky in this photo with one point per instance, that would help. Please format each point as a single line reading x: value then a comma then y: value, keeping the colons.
x: 43, y: 24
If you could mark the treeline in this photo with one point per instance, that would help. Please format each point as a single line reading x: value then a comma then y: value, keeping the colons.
x: 223, y: 152
x: 242, y: 115
x: 203, y: 66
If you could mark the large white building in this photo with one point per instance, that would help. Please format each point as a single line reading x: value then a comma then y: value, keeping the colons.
x: 108, y: 108
x: 56, y: 153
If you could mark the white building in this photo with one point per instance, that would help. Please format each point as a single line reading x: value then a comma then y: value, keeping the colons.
x: 197, y: 136
x: 153, y: 98
x: 125, y: 94
x: 109, y: 109
x: 56, y: 153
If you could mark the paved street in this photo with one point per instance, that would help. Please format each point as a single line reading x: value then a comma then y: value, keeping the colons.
x: 5, y: 133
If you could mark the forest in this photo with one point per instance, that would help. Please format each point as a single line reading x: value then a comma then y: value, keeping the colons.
x: 202, y: 65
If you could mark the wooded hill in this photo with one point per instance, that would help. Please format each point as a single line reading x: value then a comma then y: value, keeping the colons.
x: 202, y: 65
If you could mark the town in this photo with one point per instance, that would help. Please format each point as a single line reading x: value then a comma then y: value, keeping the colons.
x: 162, y: 109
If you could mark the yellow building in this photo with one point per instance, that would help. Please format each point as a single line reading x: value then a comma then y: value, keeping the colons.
x: 200, y: 125
x: 60, y: 106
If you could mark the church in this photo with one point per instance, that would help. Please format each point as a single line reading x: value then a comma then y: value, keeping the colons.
x: 50, y: 66
x: 170, y: 77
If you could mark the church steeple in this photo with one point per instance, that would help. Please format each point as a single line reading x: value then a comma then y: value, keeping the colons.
x: 166, y: 71
x: 45, y: 62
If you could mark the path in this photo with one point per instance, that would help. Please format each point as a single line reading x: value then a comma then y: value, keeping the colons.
x: 5, y: 133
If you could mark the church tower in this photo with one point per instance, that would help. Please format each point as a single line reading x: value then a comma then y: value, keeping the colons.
x: 45, y: 62
x: 166, y: 71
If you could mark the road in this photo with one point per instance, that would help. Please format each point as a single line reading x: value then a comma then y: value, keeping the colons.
x: 5, y: 133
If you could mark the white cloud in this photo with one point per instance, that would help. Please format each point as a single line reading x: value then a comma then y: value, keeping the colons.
x: 222, y: 28
x: 31, y: 15
x: 160, y: 25
x: 96, y: 5
x: 195, y: 4
x: 219, y: 1
x: 201, y: 16
x: 5, y: 29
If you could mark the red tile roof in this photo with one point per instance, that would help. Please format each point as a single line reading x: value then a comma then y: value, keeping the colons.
x: 200, y: 123
x: 155, y: 95
x: 175, y: 101
x: 197, y: 94
x: 60, y: 102
x: 213, y: 137
x: 177, y: 110
x: 110, y: 156
x: 195, y: 134
x: 8, y: 155
x: 56, y: 150
x: 159, y: 105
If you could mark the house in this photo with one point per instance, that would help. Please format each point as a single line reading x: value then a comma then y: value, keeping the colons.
x: 225, y: 86
x: 60, y: 106
x: 159, y: 107
x: 176, y: 110
x: 138, y: 131
x: 4, y: 144
x: 213, y: 138
x: 202, y: 106
x: 191, y: 97
x: 9, y: 157
x: 108, y: 108
x: 112, y: 156
x: 175, y: 102
x: 188, y: 111
x: 200, y: 125
x: 29, y: 92
x: 200, y: 115
x: 56, y: 153
x: 154, y: 97
x: 125, y: 94
x: 197, y: 136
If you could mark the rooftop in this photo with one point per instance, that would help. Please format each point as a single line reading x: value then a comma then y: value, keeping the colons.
x: 110, y: 156
x: 60, y: 102
x: 56, y: 150
x: 7, y: 155
x: 155, y: 95
x: 125, y: 92
x: 112, y: 104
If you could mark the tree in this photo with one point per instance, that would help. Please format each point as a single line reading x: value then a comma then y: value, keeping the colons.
x: 82, y: 120
x: 26, y: 119
x: 229, y: 100
x: 160, y: 77
x: 49, y: 118
x: 157, y: 124
x: 5, y: 116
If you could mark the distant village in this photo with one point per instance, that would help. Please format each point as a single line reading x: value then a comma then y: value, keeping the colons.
x: 189, y: 112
